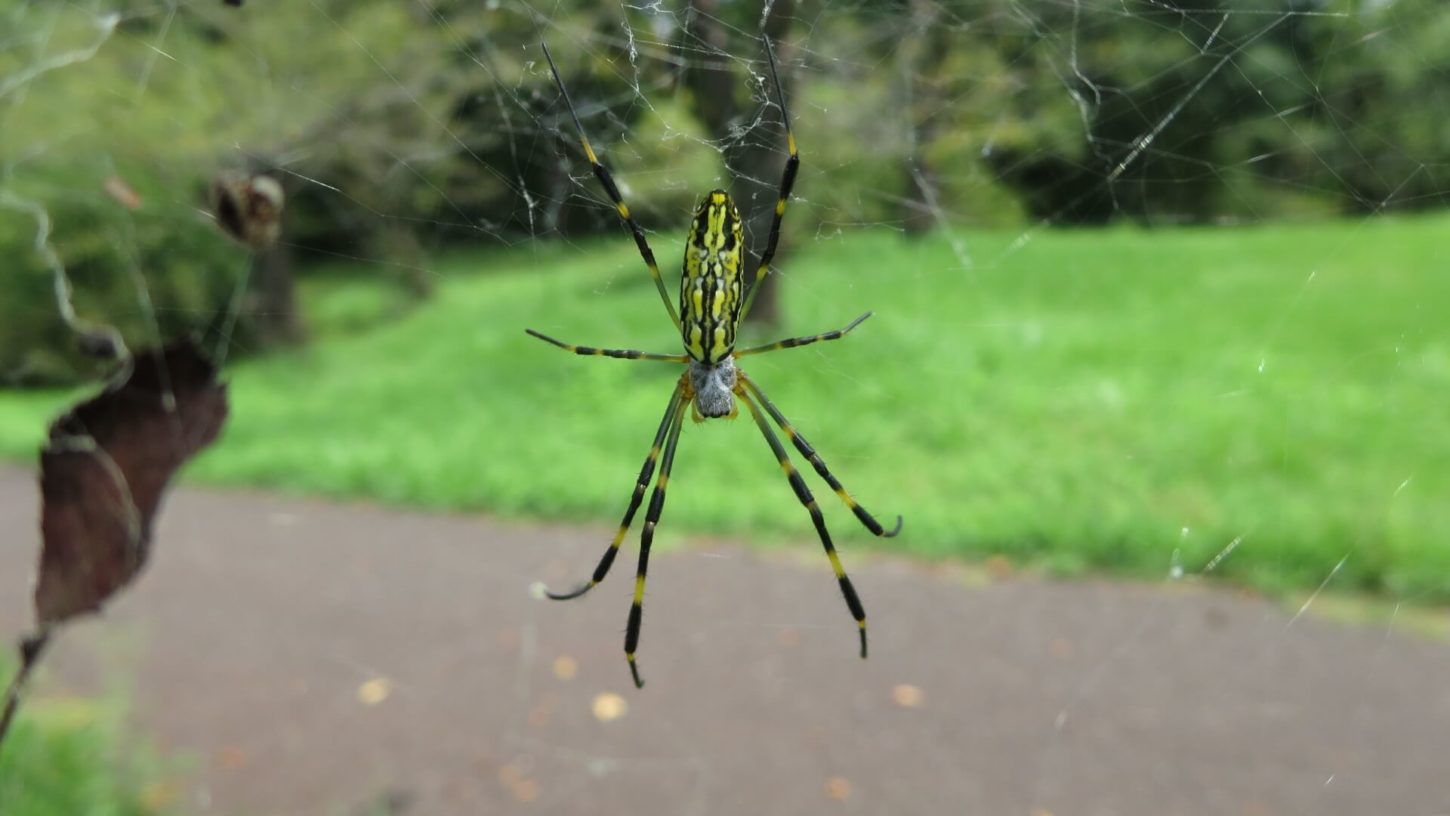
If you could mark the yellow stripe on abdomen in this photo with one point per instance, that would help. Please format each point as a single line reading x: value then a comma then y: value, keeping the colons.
x: 711, y: 286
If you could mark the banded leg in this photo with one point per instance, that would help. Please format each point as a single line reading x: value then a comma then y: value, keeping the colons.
x: 646, y: 473
x: 797, y: 342
x: 867, y: 520
x: 804, y: 494
x: 622, y: 354
x: 607, y: 181
x: 787, y: 181
x: 646, y: 538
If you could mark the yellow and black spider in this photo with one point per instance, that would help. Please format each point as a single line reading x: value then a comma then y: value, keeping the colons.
x: 712, y: 302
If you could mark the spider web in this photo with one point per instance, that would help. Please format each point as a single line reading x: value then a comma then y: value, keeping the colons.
x: 422, y: 143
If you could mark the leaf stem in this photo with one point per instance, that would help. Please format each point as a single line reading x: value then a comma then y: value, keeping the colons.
x: 31, y: 648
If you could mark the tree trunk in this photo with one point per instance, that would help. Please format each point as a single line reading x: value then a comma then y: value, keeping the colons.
x: 920, y: 59
x: 271, y: 314
x: 275, y: 318
x: 755, y: 164
x: 400, y: 246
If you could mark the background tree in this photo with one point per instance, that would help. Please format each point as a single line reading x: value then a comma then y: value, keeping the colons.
x: 401, y: 129
x: 754, y: 156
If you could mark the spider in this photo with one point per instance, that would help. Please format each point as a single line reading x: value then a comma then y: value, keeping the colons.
x: 711, y: 307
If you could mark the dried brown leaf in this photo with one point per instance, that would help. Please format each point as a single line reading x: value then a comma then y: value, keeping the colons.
x: 117, y: 188
x: 105, y: 468
x: 248, y: 208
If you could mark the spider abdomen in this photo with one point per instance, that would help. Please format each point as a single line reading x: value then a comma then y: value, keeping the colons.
x: 712, y: 285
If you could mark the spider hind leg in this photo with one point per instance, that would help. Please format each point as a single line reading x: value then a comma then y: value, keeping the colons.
x: 646, y: 475
x: 803, y: 494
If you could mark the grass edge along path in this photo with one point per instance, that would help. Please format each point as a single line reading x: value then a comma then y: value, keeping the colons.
x: 69, y: 755
x: 1262, y: 403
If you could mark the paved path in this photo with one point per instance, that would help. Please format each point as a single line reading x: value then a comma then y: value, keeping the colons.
x: 339, y: 659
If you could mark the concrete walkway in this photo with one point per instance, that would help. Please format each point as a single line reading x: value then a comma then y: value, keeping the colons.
x: 314, y: 658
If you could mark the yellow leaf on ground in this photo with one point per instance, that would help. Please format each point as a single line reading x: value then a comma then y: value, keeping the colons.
x: 374, y: 691
x: 907, y: 695
x: 838, y: 788
x: 565, y: 667
x: 609, y: 706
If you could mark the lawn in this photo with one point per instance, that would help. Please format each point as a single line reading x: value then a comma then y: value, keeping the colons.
x: 67, y: 757
x: 1264, y: 403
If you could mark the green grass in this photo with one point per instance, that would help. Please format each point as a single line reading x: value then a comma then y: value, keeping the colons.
x: 1118, y: 399
x: 67, y: 757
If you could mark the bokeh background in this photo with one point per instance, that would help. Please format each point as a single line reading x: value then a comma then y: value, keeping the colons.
x: 1158, y: 287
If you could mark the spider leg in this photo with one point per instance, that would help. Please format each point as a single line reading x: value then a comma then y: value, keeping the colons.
x: 646, y: 473
x: 796, y: 342
x: 607, y: 181
x: 804, y: 494
x: 623, y: 354
x: 651, y: 518
x: 787, y: 181
x: 867, y: 520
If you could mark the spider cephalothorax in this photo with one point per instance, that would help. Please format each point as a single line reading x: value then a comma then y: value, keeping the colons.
x: 712, y: 302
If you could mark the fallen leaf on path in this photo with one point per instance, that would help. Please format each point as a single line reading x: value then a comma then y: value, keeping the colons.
x: 907, y: 695
x: 515, y: 777
x: 160, y: 795
x: 526, y: 790
x: 374, y: 691
x: 232, y: 758
x: 565, y: 667
x: 999, y: 567
x: 609, y: 707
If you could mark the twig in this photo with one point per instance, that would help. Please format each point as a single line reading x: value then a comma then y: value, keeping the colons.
x: 31, y: 648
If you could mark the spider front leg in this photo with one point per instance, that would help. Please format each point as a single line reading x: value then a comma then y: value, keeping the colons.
x: 787, y: 181
x: 803, y: 493
x: 612, y: 190
x: 797, y: 342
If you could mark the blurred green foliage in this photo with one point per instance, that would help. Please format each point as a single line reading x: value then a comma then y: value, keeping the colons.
x: 400, y: 128
x: 66, y: 756
x: 108, y: 95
